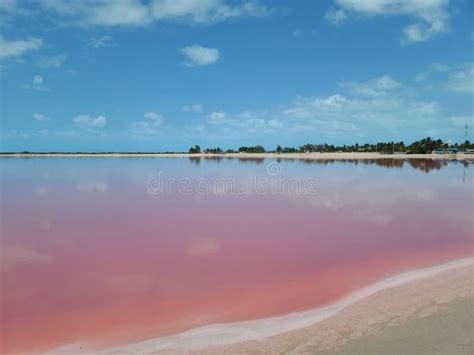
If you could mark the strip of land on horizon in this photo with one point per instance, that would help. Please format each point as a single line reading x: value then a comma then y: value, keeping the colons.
x: 313, y: 156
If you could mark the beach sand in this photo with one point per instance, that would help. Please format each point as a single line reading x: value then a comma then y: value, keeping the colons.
x: 425, y: 311
x: 430, y: 316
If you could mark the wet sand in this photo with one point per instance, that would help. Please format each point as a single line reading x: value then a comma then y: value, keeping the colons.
x: 430, y: 316
x: 427, y: 310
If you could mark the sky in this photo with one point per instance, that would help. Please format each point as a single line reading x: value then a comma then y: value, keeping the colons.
x: 163, y: 75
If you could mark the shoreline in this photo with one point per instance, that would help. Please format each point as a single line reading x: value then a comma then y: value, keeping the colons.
x: 433, y: 315
x: 311, y: 156
x: 215, y: 336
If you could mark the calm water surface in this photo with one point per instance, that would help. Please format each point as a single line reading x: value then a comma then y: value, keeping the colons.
x: 90, y: 255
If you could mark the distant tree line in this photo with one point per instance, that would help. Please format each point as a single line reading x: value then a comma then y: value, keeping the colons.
x: 256, y: 149
x: 195, y: 150
x: 423, y: 146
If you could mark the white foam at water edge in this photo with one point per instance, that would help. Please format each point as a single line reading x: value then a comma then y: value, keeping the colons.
x: 231, y: 333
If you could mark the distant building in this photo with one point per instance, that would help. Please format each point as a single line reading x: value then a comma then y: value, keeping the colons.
x: 449, y: 150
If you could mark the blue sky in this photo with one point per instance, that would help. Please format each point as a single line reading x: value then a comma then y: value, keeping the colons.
x: 157, y: 75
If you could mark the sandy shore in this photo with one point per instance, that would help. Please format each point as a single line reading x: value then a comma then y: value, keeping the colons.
x: 423, y: 310
x: 433, y: 315
x: 313, y: 156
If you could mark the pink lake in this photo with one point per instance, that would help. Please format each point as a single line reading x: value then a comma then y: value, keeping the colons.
x: 90, y: 255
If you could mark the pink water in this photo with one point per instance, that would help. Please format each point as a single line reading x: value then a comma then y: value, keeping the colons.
x: 89, y: 255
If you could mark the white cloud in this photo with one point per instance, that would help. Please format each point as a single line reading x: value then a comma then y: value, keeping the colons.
x: 376, y: 87
x: 218, y: 117
x: 151, y: 125
x: 137, y: 12
x: 193, y: 108
x: 155, y: 118
x: 307, y: 108
x: 53, y: 62
x: 37, y: 84
x: 85, y: 120
x: 8, y: 5
x: 273, y: 123
x: 205, y: 11
x: 119, y: 12
x: 335, y: 16
x: 438, y: 67
x: 432, y: 15
x: 38, y: 80
x: 10, y: 49
x: 457, y: 78
x: 247, y: 120
x: 101, y: 13
x: 419, y: 32
x: 338, y: 114
x: 100, y: 42
x: 40, y: 117
x: 198, y: 55
x: 462, y: 80
x: 382, y: 105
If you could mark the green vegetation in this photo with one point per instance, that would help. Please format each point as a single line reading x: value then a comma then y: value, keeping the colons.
x: 423, y: 146
x: 195, y: 150
x: 213, y: 151
x: 255, y: 149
